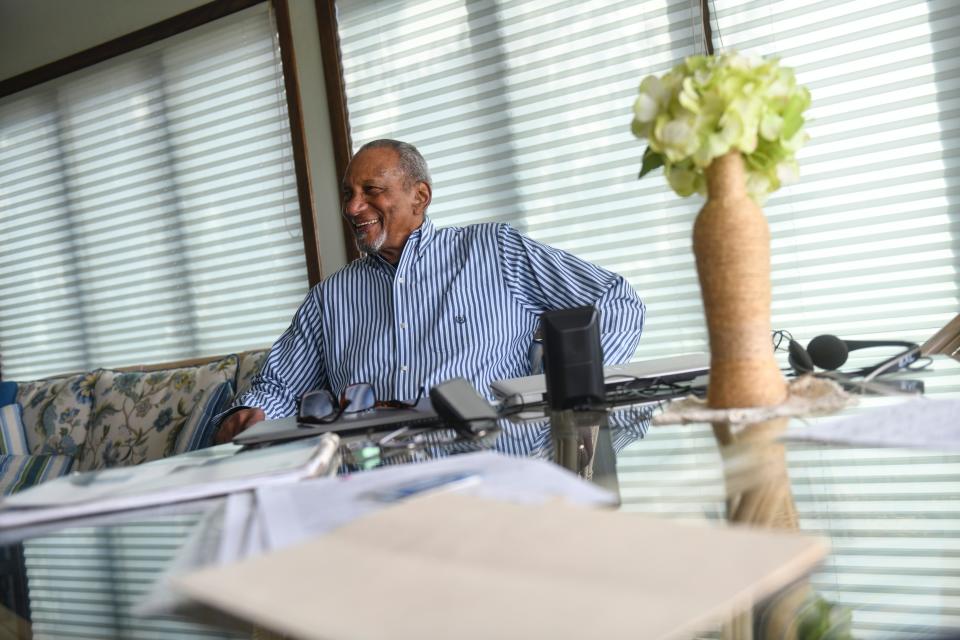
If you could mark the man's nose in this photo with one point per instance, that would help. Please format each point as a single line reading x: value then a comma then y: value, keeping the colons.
x: 353, y: 205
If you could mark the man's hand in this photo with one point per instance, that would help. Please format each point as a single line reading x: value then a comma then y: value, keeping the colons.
x: 237, y: 422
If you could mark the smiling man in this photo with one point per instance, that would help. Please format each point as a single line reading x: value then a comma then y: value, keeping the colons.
x: 385, y: 198
x: 426, y: 304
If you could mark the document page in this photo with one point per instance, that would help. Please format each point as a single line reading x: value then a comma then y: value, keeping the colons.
x: 296, y: 512
x: 459, y: 566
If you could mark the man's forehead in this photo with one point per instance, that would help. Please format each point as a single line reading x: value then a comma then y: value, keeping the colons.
x: 372, y: 163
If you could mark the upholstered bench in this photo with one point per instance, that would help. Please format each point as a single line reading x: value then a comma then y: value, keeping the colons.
x: 108, y: 418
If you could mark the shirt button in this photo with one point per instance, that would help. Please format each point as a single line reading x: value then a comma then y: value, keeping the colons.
x: 403, y: 325
x: 400, y: 280
x: 403, y: 367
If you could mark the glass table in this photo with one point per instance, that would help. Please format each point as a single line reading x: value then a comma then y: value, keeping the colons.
x: 892, y: 516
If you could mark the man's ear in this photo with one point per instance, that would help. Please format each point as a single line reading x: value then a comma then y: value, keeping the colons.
x: 422, y: 197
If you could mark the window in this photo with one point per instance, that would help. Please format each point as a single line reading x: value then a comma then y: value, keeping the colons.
x: 866, y: 244
x: 523, y: 109
x: 148, y: 205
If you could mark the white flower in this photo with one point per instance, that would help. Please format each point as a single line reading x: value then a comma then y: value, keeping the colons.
x: 679, y: 139
x: 645, y: 108
x: 788, y: 172
x: 758, y: 185
x: 770, y: 126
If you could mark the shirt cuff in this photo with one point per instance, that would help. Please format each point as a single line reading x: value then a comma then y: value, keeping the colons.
x: 220, y: 417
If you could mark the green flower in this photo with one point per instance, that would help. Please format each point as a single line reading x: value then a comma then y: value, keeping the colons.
x: 710, y: 105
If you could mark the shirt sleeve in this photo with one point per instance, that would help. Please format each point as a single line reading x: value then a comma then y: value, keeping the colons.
x: 543, y: 278
x: 294, y: 365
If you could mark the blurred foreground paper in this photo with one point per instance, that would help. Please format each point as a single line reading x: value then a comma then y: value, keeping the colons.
x: 454, y: 566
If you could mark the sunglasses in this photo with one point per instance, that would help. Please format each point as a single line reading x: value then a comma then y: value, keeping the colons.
x: 320, y: 407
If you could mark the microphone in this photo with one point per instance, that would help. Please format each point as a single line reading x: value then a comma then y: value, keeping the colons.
x: 830, y: 352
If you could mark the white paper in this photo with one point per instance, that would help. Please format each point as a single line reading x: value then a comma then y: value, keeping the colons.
x: 177, y: 479
x: 915, y: 424
x: 296, y: 512
x: 454, y: 566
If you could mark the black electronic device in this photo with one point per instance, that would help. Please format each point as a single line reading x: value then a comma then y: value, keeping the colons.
x: 830, y: 353
x: 458, y: 404
x: 573, y: 358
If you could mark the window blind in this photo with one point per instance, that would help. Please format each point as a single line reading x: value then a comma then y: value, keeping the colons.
x: 520, y: 107
x: 148, y: 206
x: 866, y: 244
x: 522, y: 110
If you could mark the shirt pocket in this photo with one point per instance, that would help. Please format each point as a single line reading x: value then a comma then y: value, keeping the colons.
x: 461, y: 328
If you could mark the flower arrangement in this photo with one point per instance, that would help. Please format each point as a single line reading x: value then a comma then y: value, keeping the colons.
x: 710, y: 105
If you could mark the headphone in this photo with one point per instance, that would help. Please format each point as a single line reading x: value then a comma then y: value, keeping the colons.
x: 830, y: 353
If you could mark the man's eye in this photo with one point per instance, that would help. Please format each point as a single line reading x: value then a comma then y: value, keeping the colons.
x: 372, y: 190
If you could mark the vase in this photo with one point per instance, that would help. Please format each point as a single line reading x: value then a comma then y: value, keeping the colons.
x: 731, y: 242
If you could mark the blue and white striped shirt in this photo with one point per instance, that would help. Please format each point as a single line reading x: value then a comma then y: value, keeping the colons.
x: 462, y: 301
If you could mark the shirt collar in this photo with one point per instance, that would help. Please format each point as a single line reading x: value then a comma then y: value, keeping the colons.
x: 422, y: 237
x: 418, y: 242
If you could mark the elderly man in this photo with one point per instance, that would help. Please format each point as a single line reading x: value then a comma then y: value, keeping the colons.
x: 426, y: 304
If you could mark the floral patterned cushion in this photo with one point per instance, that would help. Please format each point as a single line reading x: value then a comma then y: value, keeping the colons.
x: 56, y: 412
x: 137, y: 416
x: 250, y: 363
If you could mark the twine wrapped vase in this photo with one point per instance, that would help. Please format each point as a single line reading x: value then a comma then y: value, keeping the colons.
x: 731, y: 241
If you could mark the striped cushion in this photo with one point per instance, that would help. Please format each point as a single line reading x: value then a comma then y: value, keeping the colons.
x: 13, y: 437
x: 20, y: 472
x: 199, y: 430
x: 8, y: 392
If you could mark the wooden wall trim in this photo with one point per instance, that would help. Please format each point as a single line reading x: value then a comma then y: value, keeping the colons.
x: 707, y: 30
x: 301, y: 162
x: 124, y: 44
x: 337, y: 102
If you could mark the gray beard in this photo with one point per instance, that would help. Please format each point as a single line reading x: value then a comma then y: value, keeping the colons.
x: 374, y: 245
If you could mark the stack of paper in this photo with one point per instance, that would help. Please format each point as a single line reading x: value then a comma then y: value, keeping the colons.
x: 275, y: 517
x: 451, y: 565
x: 201, y: 474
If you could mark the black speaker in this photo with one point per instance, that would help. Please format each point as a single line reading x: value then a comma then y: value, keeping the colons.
x: 573, y: 358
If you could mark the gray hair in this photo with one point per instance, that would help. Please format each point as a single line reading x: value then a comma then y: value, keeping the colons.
x: 411, y: 162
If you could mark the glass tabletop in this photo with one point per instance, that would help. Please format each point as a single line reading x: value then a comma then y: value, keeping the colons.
x: 892, y: 515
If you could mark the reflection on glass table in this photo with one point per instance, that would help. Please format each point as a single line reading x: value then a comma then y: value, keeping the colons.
x: 891, y: 514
